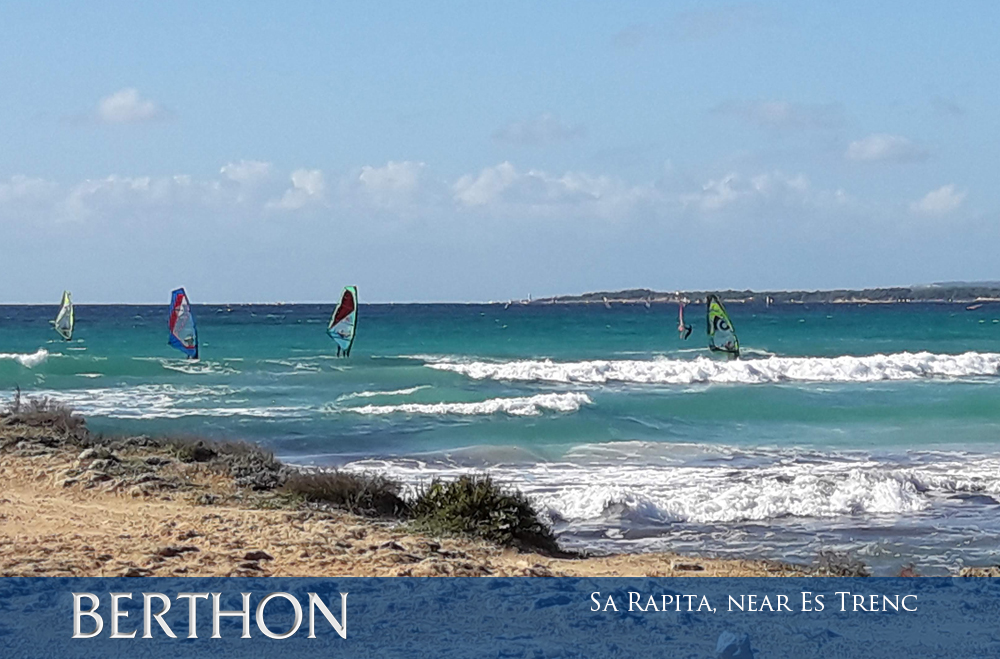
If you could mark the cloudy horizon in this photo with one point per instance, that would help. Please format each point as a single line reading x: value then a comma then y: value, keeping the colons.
x: 492, y: 153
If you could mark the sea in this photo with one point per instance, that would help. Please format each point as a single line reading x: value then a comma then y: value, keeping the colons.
x: 867, y: 429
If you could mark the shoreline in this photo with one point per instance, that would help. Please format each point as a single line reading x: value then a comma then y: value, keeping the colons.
x: 131, y: 507
x: 75, y: 504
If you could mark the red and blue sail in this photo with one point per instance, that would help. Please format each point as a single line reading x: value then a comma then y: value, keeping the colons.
x: 344, y: 321
x: 183, y: 332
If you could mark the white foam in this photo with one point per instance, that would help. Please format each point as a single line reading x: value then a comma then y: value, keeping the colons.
x: 162, y: 402
x: 26, y: 359
x: 520, y: 406
x: 723, y: 494
x: 873, y: 368
x: 197, y: 367
x: 377, y: 394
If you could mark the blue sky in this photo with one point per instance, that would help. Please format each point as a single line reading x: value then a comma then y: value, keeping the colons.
x: 462, y: 152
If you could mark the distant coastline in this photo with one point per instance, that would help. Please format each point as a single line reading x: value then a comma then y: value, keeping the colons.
x: 943, y: 293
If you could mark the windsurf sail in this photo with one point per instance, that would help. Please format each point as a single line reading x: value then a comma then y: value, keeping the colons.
x: 344, y: 321
x: 183, y: 333
x: 683, y: 330
x: 721, y: 335
x: 65, y: 319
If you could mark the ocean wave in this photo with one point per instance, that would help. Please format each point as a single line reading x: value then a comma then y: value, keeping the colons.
x: 722, y: 494
x: 27, y: 359
x: 197, y: 367
x: 378, y: 394
x: 873, y: 368
x: 520, y: 406
x: 163, y: 402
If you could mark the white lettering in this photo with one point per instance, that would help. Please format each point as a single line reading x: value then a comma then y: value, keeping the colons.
x: 148, y: 617
x: 339, y: 627
x: 192, y: 599
x: 217, y: 614
x: 295, y: 625
x: 78, y: 612
x: 115, y: 614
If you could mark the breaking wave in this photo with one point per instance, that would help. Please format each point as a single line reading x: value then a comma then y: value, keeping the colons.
x: 521, y: 406
x: 27, y: 359
x: 781, y: 487
x: 163, y: 402
x: 377, y: 394
x: 873, y: 368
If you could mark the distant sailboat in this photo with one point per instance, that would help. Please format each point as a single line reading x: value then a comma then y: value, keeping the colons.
x: 721, y: 335
x: 607, y: 305
x: 183, y: 332
x: 683, y: 330
x: 65, y: 318
x: 344, y: 321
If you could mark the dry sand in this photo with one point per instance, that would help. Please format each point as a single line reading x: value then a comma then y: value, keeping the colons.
x: 62, y: 514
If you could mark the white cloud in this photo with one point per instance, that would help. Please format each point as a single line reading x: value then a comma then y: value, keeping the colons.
x: 139, y: 195
x: 883, y: 147
x: 540, y: 131
x: 939, y: 202
x: 769, y: 189
x: 401, y: 189
x: 783, y: 115
x: 308, y: 187
x: 126, y: 106
x: 393, y: 180
x: 537, y: 192
x: 24, y: 189
x: 247, y: 172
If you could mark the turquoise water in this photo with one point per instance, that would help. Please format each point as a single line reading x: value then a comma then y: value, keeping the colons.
x: 871, y: 428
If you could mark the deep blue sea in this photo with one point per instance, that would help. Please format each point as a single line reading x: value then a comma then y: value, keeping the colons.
x: 868, y: 428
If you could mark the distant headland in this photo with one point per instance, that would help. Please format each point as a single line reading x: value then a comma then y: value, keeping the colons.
x: 957, y: 292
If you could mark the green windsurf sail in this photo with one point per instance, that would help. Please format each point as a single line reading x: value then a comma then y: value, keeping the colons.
x: 64, y: 319
x: 721, y: 335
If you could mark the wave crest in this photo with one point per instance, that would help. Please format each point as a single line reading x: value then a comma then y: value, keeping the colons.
x: 27, y: 359
x: 872, y: 368
x: 520, y: 406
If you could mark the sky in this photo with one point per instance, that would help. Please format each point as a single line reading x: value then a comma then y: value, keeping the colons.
x: 450, y: 151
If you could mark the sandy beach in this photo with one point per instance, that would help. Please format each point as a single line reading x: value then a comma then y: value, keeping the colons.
x: 138, y: 511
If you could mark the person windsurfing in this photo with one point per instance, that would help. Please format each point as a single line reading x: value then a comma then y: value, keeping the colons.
x: 183, y: 332
x: 683, y: 330
x: 344, y: 321
x: 721, y: 334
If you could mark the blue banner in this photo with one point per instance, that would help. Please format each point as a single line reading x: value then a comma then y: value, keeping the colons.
x: 532, y: 618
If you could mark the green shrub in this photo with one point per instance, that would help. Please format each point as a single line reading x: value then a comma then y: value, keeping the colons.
x: 476, y: 506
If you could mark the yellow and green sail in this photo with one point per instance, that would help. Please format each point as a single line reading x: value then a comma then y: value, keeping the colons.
x: 721, y: 335
x: 64, y: 319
